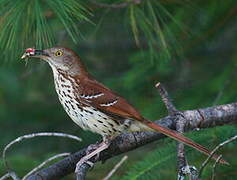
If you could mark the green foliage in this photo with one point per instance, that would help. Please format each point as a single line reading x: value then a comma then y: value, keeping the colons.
x: 190, y: 46
x: 161, y: 162
x: 26, y: 22
x: 147, y: 19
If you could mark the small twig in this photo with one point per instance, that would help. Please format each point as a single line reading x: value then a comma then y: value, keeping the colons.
x: 5, y: 176
x: 28, y: 136
x: 180, y: 125
x: 116, y: 167
x: 213, y: 152
x: 44, y: 163
x: 166, y: 99
x: 214, y: 167
x: 10, y: 174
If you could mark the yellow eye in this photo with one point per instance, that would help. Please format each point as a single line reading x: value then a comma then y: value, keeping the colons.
x: 58, y: 53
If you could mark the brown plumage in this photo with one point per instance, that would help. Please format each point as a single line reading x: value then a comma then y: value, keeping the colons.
x: 95, y: 107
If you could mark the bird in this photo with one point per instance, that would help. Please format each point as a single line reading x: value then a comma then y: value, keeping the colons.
x: 93, y: 106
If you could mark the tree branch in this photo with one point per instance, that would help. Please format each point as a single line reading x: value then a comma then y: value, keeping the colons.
x: 214, y: 167
x: 44, y: 163
x: 199, y: 118
x: 180, y: 125
x: 115, y: 168
x: 213, y: 152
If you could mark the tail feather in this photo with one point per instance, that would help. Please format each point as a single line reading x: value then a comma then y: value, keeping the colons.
x: 179, y: 137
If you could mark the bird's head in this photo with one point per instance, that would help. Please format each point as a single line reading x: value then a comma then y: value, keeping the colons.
x: 58, y: 58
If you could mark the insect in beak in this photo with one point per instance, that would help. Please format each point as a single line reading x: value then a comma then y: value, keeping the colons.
x: 29, y: 52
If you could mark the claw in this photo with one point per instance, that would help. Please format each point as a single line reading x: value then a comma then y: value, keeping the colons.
x: 97, y: 148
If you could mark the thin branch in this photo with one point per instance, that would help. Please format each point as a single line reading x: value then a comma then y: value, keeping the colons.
x: 44, y: 163
x: 11, y: 174
x: 213, y: 152
x: 116, y: 167
x: 212, y: 116
x: 180, y: 124
x: 166, y: 99
x: 29, y: 136
x: 214, y: 167
x: 5, y: 176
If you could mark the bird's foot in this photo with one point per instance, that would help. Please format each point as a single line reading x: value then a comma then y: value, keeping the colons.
x: 92, y: 147
x: 92, y: 150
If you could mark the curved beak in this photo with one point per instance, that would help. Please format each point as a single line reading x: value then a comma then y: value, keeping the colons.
x: 31, y: 52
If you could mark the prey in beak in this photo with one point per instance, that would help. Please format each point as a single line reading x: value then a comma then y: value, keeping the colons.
x: 31, y: 52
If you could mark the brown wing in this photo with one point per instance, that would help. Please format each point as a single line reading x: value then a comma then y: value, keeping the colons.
x: 97, y: 95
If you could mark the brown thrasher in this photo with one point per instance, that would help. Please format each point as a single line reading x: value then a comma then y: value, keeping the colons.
x: 93, y: 106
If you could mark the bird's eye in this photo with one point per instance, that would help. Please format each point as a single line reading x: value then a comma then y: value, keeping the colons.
x: 58, y: 53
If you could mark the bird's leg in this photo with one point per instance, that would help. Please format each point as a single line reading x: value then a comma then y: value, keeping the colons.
x: 100, y: 147
x: 92, y: 147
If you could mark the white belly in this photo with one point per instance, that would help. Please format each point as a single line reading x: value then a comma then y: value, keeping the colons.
x: 86, y: 117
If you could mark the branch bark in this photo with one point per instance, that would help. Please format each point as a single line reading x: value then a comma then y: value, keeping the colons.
x: 198, y: 118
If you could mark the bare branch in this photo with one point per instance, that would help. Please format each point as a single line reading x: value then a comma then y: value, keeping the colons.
x: 166, y: 99
x: 116, y: 167
x: 214, y: 167
x: 180, y: 125
x: 29, y: 136
x: 44, y: 163
x: 11, y: 174
x: 5, y: 176
x: 212, y: 116
x: 213, y: 152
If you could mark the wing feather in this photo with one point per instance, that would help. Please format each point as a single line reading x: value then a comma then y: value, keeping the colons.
x: 100, y: 97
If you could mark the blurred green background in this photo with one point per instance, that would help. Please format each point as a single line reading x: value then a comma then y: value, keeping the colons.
x: 189, y: 46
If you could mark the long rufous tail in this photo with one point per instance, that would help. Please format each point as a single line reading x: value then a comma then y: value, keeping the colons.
x: 179, y: 137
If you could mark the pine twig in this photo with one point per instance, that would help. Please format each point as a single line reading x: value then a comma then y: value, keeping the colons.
x: 213, y: 152
x: 115, y: 168
x: 44, y: 163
